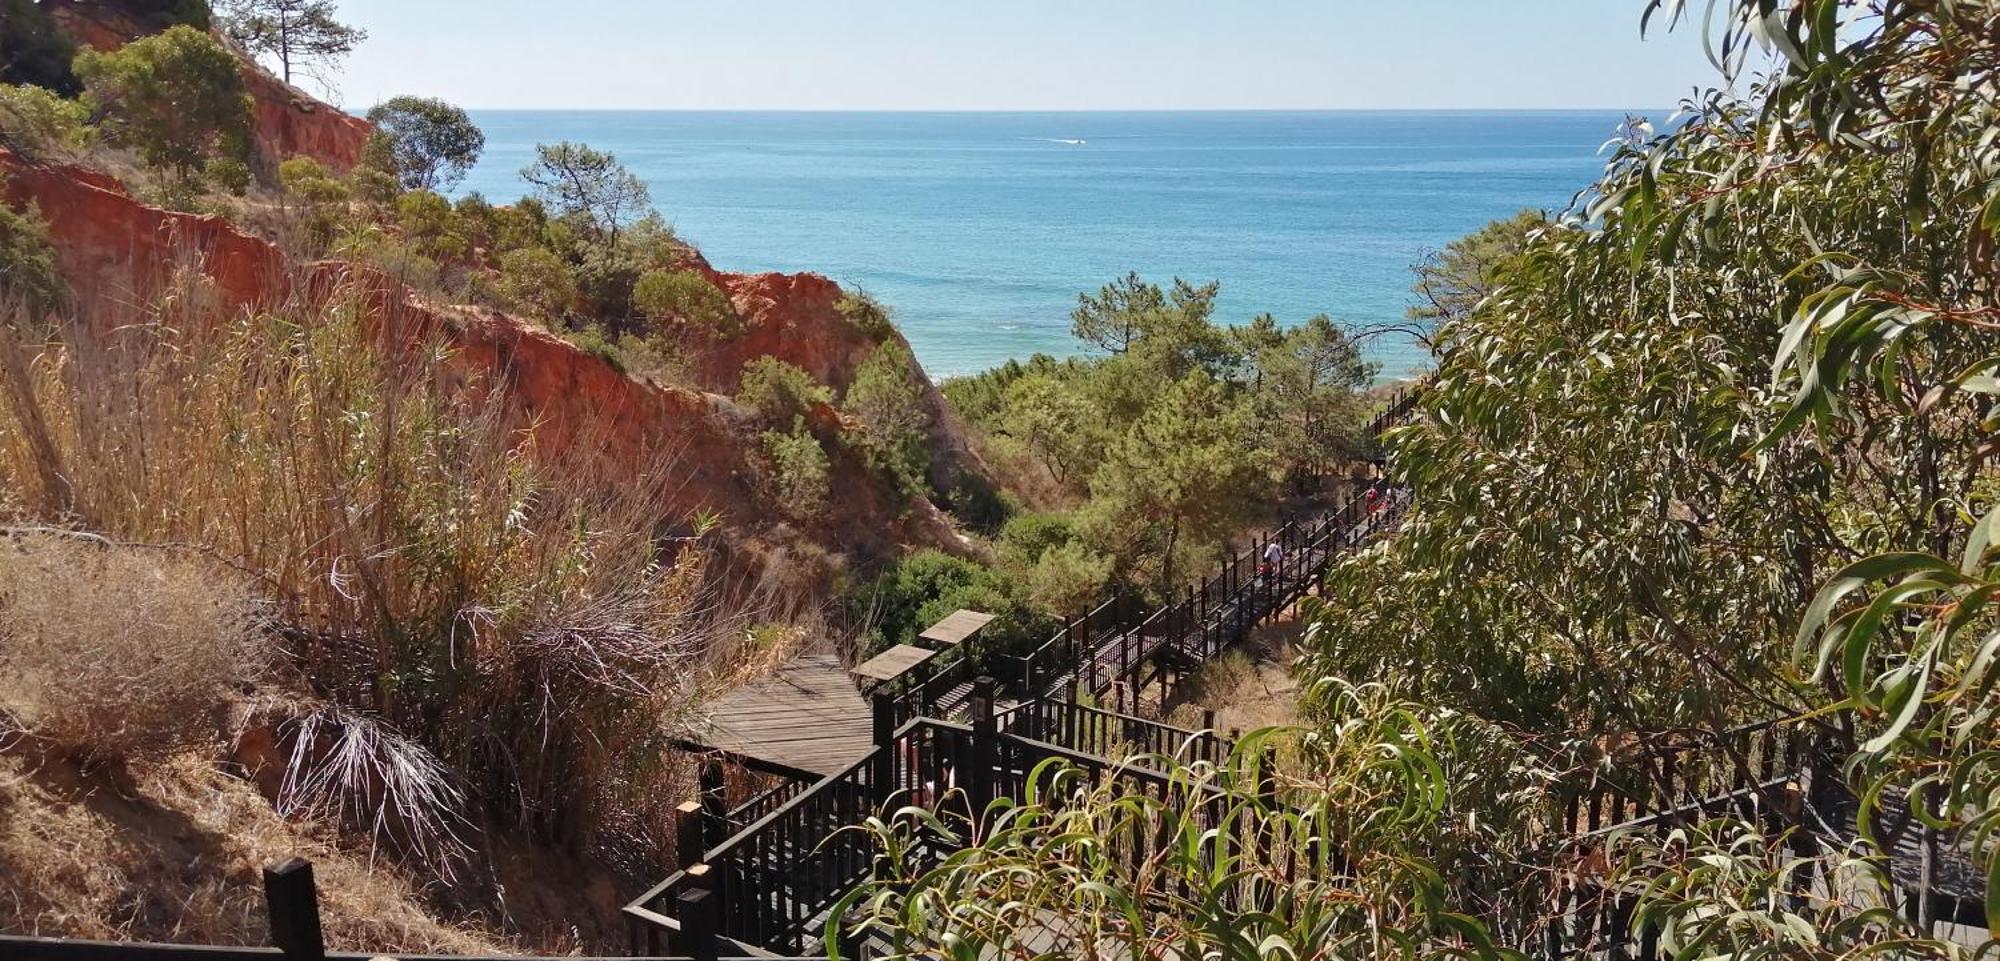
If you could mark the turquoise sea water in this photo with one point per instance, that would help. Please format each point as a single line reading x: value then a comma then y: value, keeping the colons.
x: 980, y: 229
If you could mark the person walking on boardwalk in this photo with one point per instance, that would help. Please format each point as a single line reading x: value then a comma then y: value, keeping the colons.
x: 1274, y: 559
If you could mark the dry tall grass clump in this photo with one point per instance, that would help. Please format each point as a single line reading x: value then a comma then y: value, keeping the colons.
x: 174, y: 854
x: 524, y: 617
x: 120, y: 653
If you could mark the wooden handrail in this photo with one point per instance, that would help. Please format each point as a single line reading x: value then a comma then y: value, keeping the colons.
x: 27, y: 948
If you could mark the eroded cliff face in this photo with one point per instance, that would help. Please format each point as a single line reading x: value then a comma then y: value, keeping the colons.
x: 796, y: 318
x: 117, y: 254
x: 288, y: 122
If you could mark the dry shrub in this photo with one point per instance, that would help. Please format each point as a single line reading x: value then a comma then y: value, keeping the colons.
x: 523, y: 616
x: 347, y: 769
x: 1248, y: 688
x: 117, y: 652
x: 175, y: 855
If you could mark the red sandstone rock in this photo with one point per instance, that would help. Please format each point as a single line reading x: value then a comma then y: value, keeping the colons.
x: 116, y: 252
x: 291, y: 124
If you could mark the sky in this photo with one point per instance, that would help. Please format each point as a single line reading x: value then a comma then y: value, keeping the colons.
x: 1018, y: 55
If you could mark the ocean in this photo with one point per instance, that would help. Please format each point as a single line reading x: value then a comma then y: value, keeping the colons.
x: 979, y: 230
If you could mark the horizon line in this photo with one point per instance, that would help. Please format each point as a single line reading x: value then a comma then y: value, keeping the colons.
x: 1049, y: 110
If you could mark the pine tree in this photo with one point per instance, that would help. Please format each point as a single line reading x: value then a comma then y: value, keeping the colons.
x: 301, y: 33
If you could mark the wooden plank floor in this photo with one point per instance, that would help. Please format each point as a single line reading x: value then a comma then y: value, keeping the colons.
x: 808, y: 716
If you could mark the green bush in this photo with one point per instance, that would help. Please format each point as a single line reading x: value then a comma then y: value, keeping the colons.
x: 398, y: 259
x: 229, y: 174
x: 606, y: 271
x: 177, y: 97
x: 895, y: 419
x: 1066, y: 580
x: 778, y: 392
x: 539, y: 281
x: 653, y: 358
x: 926, y: 586
x: 501, y: 229
x: 321, y: 197
x: 593, y: 341
x: 1025, y: 536
x: 37, y: 122
x: 308, y: 181
x: 796, y: 472
x: 373, y: 185
x: 866, y: 314
x: 428, y: 222
x: 688, y: 299
x: 28, y: 269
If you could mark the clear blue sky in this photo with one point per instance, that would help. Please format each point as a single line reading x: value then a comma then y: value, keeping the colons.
x: 1024, y: 54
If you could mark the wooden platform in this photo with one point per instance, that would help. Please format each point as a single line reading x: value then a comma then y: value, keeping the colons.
x: 893, y: 663
x: 806, y: 719
x: 956, y: 628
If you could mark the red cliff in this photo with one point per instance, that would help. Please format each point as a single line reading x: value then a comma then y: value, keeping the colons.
x: 291, y: 124
x: 117, y: 252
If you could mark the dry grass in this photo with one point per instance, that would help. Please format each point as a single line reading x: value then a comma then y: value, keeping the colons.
x: 117, y: 653
x: 1248, y: 688
x: 174, y: 855
x: 518, y: 615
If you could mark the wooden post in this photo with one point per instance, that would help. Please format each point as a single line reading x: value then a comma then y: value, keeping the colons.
x: 985, y: 745
x: 293, y: 902
x: 883, y: 718
x: 694, y: 908
x: 1267, y: 776
x: 714, y: 804
x: 689, y: 847
x: 882, y: 708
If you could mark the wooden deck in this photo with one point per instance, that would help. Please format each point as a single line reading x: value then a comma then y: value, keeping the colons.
x: 957, y: 628
x: 806, y: 719
x: 893, y: 663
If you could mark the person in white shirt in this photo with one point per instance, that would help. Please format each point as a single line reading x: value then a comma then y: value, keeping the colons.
x: 1274, y: 557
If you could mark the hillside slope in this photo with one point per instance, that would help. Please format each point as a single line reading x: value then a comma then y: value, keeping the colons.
x: 92, y: 847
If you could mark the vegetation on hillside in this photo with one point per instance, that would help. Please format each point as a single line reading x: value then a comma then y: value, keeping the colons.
x: 1131, y: 469
x: 1713, y: 447
x: 446, y: 631
x: 473, y: 634
x: 177, y: 98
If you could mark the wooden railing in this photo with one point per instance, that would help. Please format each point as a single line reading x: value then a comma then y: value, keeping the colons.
x: 1038, y: 669
x: 1106, y: 734
x: 1689, y: 775
x: 291, y: 902
x: 771, y: 884
x: 21, y: 948
x: 1114, y: 651
x: 1782, y: 773
x: 764, y: 802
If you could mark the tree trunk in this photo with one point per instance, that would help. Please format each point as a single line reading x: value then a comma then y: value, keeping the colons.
x: 285, y: 44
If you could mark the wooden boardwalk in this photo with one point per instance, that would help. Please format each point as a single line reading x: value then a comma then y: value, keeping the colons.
x: 806, y: 720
